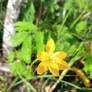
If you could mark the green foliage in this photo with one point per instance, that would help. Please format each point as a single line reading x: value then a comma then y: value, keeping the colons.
x: 23, y: 38
x: 25, y: 26
x: 88, y: 62
x: 20, y: 69
x: 81, y: 28
x: 28, y: 13
x: 66, y: 41
x: 67, y: 47
x: 66, y: 21
x: 82, y: 3
x: 58, y: 45
x: 68, y: 4
x: 39, y: 39
x: 18, y: 38
x: 11, y: 57
x: 19, y: 55
x: 26, y: 50
x: 64, y: 33
x: 25, y: 53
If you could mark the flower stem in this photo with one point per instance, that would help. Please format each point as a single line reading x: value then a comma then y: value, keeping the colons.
x: 33, y: 63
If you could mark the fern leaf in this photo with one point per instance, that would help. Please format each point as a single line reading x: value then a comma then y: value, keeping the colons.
x: 29, y: 14
x: 18, y: 38
x: 26, y: 50
x: 39, y: 42
x: 25, y: 26
x: 11, y: 57
x: 20, y: 70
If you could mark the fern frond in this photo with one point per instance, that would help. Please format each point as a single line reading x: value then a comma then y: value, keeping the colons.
x: 25, y: 26
x: 18, y: 38
x: 39, y: 39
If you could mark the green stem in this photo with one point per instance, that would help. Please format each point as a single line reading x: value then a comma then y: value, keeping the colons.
x: 33, y: 63
x: 78, y: 18
x: 34, y: 77
x: 66, y: 18
x: 44, y: 85
x: 12, y: 84
x: 75, y: 86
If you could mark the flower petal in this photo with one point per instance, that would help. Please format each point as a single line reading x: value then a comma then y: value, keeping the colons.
x: 54, y: 65
x: 50, y: 46
x: 60, y: 55
x: 54, y: 71
x: 42, y: 56
x: 63, y: 65
x: 42, y: 67
x: 56, y: 60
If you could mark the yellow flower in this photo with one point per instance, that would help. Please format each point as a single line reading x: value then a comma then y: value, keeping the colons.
x: 50, y: 60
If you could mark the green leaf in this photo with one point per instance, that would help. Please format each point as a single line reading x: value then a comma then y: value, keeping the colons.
x: 47, y: 35
x: 19, y: 55
x: 18, y: 38
x: 88, y: 62
x: 26, y: 50
x: 65, y: 46
x: 72, y: 49
x: 69, y: 48
x: 88, y: 66
x: 82, y: 4
x: 58, y: 45
x: 25, y: 53
x: 39, y: 39
x: 63, y: 33
x: 18, y: 68
x: 68, y: 4
x: 27, y: 74
x: 32, y: 12
x: 11, y: 57
x: 25, y: 26
x: 29, y: 14
x: 81, y: 28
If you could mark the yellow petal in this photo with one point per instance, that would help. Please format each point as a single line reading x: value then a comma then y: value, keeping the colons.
x: 54, y: 65
x: 54, y: 71
x: 42, y: 56
x: 60, y: 55
x: 50, y: 46
x: 56, y: 60
x: 63, y: 65
x: 42, y: 67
